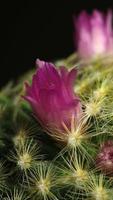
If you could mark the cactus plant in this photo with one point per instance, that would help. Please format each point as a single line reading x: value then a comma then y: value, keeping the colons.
x: 59, y: 143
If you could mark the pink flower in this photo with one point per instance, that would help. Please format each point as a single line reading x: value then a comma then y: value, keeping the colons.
x: 104, y: 160
x: 51, y: 95
x: 93, y: 34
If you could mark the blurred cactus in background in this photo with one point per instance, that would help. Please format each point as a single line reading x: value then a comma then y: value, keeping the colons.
x: 56, y: 131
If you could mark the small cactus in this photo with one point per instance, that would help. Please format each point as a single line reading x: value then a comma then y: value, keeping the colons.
x: 59, y: 143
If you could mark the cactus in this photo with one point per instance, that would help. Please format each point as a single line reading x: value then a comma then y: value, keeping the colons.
x: 69, y: 163
x: 56, y: 148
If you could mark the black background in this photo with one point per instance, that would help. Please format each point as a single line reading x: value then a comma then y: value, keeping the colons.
x: 38, y: 29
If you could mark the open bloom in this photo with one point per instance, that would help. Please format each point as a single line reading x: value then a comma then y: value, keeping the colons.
x: 93, y: 34
x: 104, y: 158
x: 51, y: 95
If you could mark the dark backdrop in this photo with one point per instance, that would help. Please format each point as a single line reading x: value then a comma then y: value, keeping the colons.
x: 42, y: 29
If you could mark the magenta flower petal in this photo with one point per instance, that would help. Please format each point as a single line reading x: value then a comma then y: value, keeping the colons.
x: 109, y: 31
x: 51, y: 95
x: 108, y: 23
x: 93, y: 34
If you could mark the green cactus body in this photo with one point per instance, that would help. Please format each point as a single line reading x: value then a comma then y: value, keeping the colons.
x: 34, y: 165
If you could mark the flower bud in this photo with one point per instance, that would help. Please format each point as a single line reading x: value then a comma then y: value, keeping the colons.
x: 93, y: 34
x: 51, y: 95
x: 104, y: 160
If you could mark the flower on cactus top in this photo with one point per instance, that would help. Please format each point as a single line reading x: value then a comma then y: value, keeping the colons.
x: 51, y: 95
x: 94, y: 34
x: 104, y: 160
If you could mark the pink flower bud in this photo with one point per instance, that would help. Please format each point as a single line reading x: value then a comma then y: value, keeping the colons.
x: 93, y: 34
x: 104, y: 160
x: 51, y: 95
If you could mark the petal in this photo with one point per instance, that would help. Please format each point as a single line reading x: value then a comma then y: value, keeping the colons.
x: 27, y: 87
x: 47, y: 75
x: 63, y: 72
x: 83, y: 35
x: 97, y: 18
x: 68, y: 79
x: 40, y: 63
x: 30, y: 100
x: 83, y: 21
x: 109, y: 22
x: 109, y: 31
x: 29, y: 91
x: 35, y: 87
x: 98, y: 33
x: 72, y: 77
